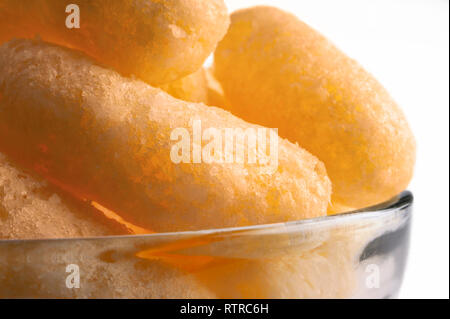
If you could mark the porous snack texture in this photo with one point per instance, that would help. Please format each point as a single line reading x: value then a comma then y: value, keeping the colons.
x: 276, y: 71
x: 107, y: 138
x: 30, y: 208
x: 158, y: 41
x: 111, y: 124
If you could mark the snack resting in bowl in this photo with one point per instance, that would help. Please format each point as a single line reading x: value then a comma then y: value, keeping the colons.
x: 159, y: 41
x: 277, y: 71
x: 109, y: 139
x: 114, y: 130
x: 30, y: 208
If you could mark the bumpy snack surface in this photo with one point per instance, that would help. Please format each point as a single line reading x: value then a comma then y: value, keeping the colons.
x: 159, y: 41
x: 276, y: 71
x: 32, y: 209
x: 106, y: 138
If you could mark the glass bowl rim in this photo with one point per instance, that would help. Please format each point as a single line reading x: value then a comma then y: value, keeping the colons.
x: 402, y: 201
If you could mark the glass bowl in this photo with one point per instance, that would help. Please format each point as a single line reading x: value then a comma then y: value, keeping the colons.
x: 361, y: 254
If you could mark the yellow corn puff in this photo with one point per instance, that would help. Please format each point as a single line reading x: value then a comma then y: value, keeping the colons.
x: 126, y: 145
x: 30, y: 208
x: 158, y: 41
x: 276, y: 71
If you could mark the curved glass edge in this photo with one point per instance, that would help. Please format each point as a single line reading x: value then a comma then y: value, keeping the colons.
x: 401, y: 202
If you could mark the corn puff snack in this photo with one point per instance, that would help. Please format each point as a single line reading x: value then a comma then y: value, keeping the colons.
x: 30, y: 208
x: 159, y: 41
x: 127, y: 146
x: 276, y: 71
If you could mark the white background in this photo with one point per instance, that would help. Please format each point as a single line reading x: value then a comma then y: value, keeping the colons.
x: 405, y: 45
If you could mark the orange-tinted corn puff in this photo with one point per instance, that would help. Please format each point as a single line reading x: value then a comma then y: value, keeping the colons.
x: 159, y: 41
x: 278, y: 72
x: 30, y: 208
x: 109, y: 139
